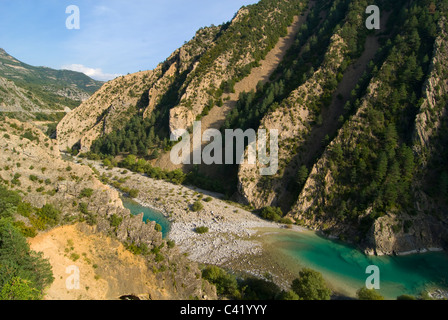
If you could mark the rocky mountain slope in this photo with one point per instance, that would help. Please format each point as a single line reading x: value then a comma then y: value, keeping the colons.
x: 27, y: 92
x: 58, y: 193
x: 143, y: 93
x: 361, y: 115
x: 190, y: 82
x: 367, y: 186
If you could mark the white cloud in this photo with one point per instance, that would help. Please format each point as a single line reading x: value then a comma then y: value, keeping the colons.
x: 96, y: 74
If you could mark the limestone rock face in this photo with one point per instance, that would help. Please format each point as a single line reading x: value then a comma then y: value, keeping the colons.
x: 181, y: 118
x: 389, y: 236
x: 429, y: 228
x: 397, y: 232
x: 137, y: 232
x: 428, y: 120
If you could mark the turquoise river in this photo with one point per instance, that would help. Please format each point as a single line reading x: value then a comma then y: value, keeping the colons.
x: 345, y: 267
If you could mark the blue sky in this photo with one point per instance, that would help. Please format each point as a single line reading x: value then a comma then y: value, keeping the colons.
x: 115, y: 37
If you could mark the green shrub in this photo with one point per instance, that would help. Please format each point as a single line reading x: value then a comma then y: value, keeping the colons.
x: 226, y: 284
x: 259, y: 289
x: 25, y: 209
x: 141, y: 249
x: 115, y: 221
x: 285, y: 221
x: 368, y: 294
x: 49, y: 214
x: 171, y: 244
x: 74, y: 256
x: 38, y: 223
x: 28, y: 232
x: 19, y: 289
x: 311, y: 286
x: 271, y: 213
x: 86, y: 193
x: 201, y: 230
x: 107, y: 163
x: 83, y: 208
x: 159, y: 258
x: 133, y: 193
x: 197, y: 206
x: 289, y: 295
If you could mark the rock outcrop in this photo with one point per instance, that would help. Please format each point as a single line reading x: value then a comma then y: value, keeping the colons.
x: 428, y: 120
x: 391, y: 235
x: 108, y: 108
x: 429, y: 229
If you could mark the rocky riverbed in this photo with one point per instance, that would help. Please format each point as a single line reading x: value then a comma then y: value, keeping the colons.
x: 232, y: 229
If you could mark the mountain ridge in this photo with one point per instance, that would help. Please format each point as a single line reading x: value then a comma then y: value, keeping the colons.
x: 346, y: 191
x: 38, y: 92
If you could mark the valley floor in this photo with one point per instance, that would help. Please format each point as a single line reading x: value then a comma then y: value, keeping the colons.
x: 235, y: 237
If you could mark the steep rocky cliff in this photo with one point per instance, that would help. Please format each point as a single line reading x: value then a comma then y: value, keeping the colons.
x: 293, y: 119
x: 429, y: 229
x: 228, y: 62
x: 109, y: 106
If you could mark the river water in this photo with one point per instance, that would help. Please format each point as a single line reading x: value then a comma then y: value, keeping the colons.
x: 345, y: 267
x: 148, y: 214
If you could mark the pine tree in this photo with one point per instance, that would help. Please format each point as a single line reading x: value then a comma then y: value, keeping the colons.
x: 302, y: 175
x: 381, y: 168
x: 17, y: 260
x: 443, y: 184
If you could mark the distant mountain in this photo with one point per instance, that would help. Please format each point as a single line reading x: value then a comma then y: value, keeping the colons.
x: 28, y: 92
